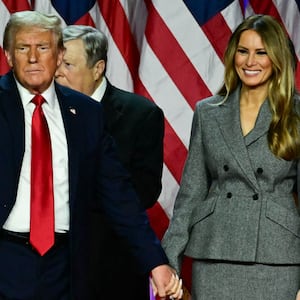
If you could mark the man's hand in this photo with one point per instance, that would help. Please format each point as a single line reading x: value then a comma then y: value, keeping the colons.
x: 166, y: 283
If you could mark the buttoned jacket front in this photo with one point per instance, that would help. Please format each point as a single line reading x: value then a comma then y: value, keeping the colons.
x: 236, y: 199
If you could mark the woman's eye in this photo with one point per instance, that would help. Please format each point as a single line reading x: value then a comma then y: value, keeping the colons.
x: 261, y: 53
x: 242, y: 51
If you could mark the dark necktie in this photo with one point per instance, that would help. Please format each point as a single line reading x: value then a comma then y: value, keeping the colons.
x: 42, y: 200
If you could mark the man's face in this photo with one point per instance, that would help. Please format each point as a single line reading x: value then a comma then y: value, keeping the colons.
x: 74, y: 72
x: 34, y: 57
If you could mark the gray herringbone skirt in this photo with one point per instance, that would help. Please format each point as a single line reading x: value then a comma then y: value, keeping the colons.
x: 215, y: 280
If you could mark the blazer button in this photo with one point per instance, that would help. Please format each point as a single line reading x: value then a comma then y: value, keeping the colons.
x: 226, y: 168
x: 229, y: 195
x: 255, y: 197
x: 259, y: 170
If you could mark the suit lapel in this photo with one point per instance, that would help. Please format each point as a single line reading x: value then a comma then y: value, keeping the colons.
x: 112, y: 107
x: 71, y: 115
x: 12, y: 111
x: 228, y: 119
x: 262, y: 124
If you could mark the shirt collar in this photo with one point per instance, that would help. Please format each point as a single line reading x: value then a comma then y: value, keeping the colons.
x: 49, y: 94
x: 100, y: 90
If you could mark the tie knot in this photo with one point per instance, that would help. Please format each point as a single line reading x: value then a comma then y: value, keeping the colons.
x: 38, y: 100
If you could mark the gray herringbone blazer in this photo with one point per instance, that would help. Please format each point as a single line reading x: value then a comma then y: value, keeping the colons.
x: 236, y: 198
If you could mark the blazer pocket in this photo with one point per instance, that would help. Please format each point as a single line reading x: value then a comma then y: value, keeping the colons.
x: 287, y: 218
x: 203, y: 210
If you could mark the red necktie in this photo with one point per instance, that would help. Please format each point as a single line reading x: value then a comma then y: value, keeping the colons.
x: 42, y: 200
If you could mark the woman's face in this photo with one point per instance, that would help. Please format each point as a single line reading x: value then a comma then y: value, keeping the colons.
x: 252, y: 62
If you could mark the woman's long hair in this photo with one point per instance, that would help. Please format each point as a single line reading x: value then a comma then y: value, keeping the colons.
x: 283, y: 135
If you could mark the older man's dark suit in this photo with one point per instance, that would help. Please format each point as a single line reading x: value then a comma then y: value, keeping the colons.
x: 137, y: 125
x: 94, y: 174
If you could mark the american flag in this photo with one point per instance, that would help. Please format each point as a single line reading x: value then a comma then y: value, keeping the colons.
x: 169, y: 51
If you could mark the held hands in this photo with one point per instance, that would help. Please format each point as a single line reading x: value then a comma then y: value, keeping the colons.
x: 166, y: 284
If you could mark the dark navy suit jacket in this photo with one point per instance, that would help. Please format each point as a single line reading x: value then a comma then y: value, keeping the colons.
x: 96, y: 178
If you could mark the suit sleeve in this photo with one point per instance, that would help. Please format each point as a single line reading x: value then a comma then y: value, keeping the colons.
x: 194, y: 187
x: 122, y: 209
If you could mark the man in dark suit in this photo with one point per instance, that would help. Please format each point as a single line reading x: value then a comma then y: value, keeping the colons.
x: 137, y: 125
x: 85, y: 174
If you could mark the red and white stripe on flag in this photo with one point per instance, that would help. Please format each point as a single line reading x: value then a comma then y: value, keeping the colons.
x: 168, y: 51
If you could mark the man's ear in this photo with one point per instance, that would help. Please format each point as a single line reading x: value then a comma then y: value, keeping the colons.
x: 8, y: 58
x: 99, y: 68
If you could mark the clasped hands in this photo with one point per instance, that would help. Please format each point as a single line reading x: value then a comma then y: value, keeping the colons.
x: 166, y: 284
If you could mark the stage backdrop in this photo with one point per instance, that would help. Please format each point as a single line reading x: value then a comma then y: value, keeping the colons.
x: 167, y: 50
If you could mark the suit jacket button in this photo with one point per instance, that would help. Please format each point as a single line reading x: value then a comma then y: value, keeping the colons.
x: 259, y: 170
x: 255, y: 197
x: 229, y: 195
x: 226, y: 168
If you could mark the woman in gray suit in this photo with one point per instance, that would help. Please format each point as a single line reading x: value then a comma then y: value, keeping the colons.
x: 235, y: 213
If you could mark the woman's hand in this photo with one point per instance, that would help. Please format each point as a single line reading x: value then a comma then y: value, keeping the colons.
x: 165, y: 283
x: 174, y: 288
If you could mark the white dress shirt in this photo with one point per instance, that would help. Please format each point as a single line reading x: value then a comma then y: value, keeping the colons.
x: 19, y: 218
x: 100, y: 90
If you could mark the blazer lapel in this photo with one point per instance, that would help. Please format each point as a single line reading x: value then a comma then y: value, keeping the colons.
x: 228, y: 119
x: 12, y: 111
x: 112, y: 107
x: 262, y: 124
x: 73, y: 132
